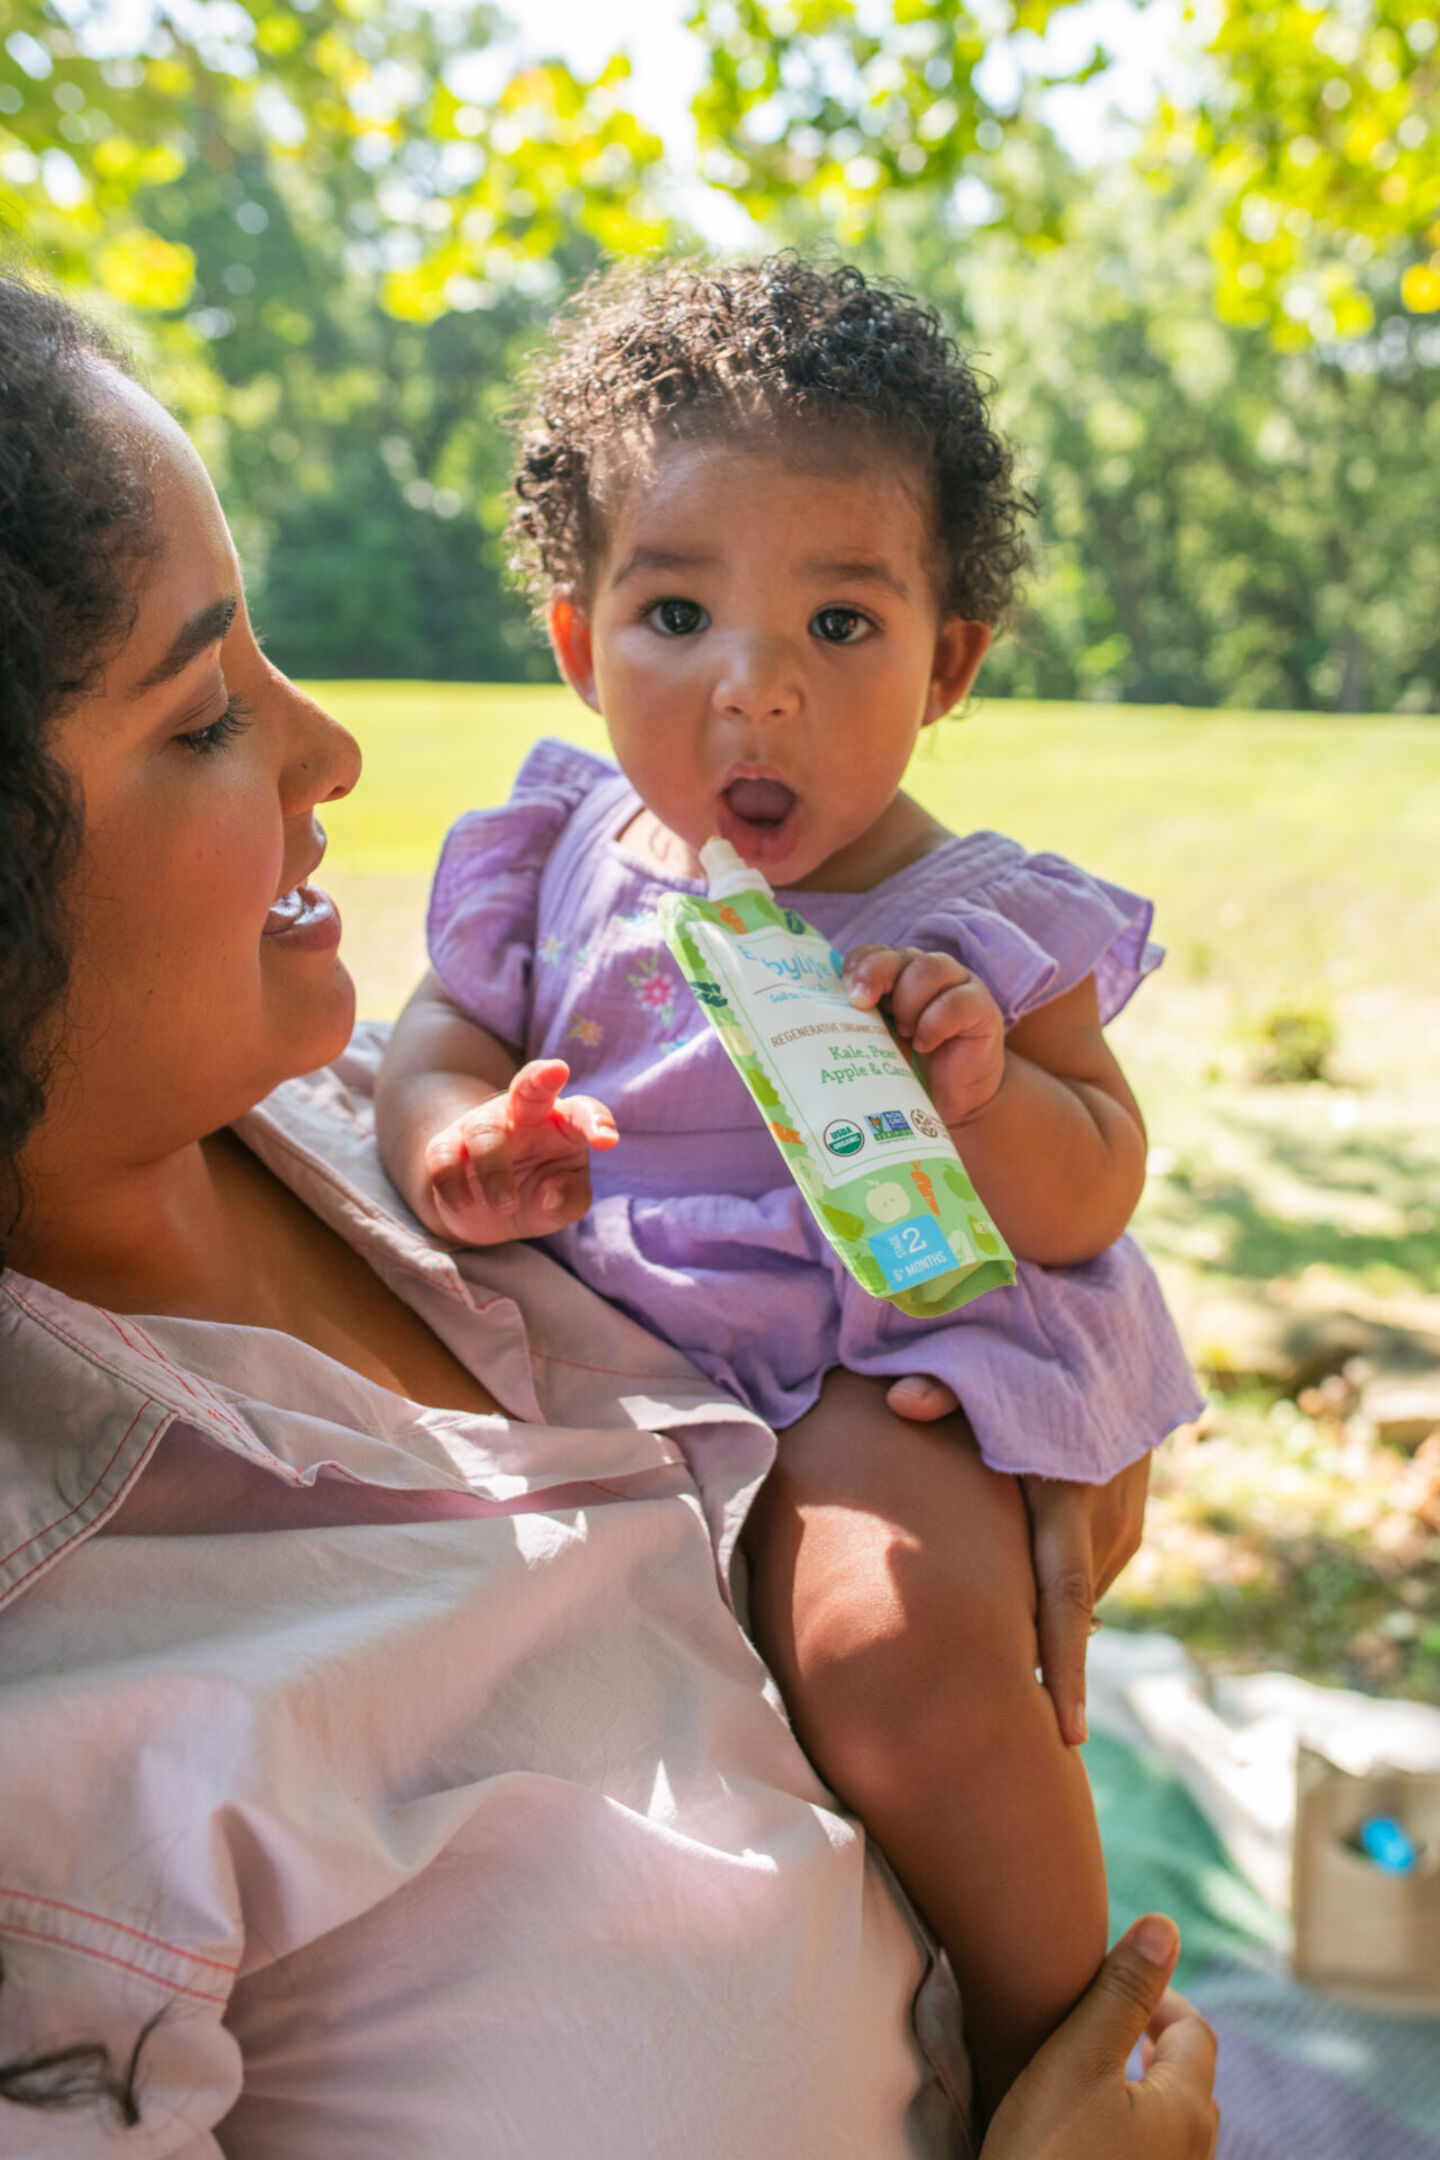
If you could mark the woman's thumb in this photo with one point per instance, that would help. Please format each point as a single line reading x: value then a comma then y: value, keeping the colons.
x: 1127, y: 1990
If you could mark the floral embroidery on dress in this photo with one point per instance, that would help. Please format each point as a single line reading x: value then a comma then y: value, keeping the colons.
x: 586, y: 1031
x: 585, y: 962
x: 653, y: 987
x: 552, y: 949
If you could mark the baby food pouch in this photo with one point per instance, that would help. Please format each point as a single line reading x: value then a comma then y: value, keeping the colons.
x: 841, y: 1095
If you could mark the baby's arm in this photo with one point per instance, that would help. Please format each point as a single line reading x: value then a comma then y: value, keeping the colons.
x: 1043, y: 1117
x: 482, y: 1147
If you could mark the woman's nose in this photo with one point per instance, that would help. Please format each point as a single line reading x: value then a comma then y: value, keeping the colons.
x: 322, y: 760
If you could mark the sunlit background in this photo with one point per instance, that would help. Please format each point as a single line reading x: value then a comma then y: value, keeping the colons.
x: 1198, y: 251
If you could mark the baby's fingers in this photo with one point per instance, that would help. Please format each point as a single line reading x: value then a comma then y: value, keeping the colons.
x: 534, y: 1091
x: 584, y: 1119
x: 871, y: 972
x: 470, y: 1172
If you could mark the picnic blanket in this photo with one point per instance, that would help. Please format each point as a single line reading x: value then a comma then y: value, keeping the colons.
x: 1302, y: 2077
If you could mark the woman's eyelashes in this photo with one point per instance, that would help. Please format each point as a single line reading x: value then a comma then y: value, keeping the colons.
x: 677, y: 618
x: 232, y: 721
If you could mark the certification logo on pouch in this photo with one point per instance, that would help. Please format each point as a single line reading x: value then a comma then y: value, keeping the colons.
x: 889, y: 1125
x: 843, y: 1136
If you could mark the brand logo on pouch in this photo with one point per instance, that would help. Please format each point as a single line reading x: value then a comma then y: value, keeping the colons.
x: 843, y: 1137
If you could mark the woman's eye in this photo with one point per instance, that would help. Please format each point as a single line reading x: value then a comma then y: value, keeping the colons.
x: 678, y: 618
x: 232, y: 722
x: 841, y: 625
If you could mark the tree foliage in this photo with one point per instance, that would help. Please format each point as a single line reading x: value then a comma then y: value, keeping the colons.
x: 356, y: 112
x: 1317, y: 123
x: 336, y: 228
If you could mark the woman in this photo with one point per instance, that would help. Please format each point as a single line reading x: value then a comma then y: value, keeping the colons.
x: 382, y: 1769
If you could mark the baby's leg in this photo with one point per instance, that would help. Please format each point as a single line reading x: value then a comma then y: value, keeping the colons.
x: 893, y: 1598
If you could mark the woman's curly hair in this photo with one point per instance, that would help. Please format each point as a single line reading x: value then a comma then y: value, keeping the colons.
x: 74, y: 521
x: 784, y: 344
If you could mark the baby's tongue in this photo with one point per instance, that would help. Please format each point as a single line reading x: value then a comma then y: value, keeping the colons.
x: 759, y: 802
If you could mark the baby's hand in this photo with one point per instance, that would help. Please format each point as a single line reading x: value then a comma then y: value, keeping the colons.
x: 944, y: 1012
x: 519, y: 1165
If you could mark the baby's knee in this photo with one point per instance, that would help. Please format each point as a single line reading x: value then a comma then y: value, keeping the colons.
x: 916, y: 1653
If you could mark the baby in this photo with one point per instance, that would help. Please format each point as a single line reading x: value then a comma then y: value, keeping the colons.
x: 773, y: 531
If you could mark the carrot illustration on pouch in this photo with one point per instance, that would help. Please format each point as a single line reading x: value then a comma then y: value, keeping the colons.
x: 925, y: 1189
x: 844, y: 1102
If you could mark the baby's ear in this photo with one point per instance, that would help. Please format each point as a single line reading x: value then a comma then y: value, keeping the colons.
x: 569, y: 628
x: 960, y: 646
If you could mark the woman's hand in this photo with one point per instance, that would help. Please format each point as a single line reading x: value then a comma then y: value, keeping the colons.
x: 944, y: 1012
x: 1073, y: 2102
x: 518, y: 1166
x: 1080, y: 1538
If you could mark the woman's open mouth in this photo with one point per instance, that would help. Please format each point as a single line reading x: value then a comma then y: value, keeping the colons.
x: 757, y: 817
x: 304, y: 920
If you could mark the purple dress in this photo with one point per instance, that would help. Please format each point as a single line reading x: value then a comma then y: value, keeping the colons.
x: 544, y: 930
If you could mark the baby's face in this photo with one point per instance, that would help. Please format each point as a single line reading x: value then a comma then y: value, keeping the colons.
x: 765, y: 644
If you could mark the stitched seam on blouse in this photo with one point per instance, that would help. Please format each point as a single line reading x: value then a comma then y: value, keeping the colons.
x: 107, y: 1957
x: 119, y: 1927
x: 94, y: 1357
x: 46, y: 1528
x: 202, y: 1394
x: 610, y: 1372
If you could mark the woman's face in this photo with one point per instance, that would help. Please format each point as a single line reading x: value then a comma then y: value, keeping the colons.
x: 206, y: 967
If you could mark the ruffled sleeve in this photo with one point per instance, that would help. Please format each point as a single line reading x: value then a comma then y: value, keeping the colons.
x: 1033, y: 926
x: 484, y: 900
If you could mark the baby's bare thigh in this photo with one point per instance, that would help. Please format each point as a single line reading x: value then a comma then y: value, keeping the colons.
x: 873, y: 1534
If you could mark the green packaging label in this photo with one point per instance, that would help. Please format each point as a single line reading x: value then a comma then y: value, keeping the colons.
x: 843, y: 1101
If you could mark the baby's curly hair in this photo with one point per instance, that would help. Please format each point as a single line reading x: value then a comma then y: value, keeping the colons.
x: 696, y: 349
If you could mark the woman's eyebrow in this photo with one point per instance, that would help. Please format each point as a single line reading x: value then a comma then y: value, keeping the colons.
x: 209, y: 627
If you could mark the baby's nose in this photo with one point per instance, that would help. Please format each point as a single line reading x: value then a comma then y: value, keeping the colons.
x: 759, y: 681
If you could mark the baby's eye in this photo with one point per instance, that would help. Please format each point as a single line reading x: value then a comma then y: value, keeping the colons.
x: 679, y: 618
x: 841, y: 625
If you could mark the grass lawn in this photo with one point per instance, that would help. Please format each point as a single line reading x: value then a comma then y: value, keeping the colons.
x: 1293, y: 860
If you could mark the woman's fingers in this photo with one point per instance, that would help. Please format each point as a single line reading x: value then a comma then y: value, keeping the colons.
x: 1073, y: 2101
x: 1060, y: 1542
x: 1178, y: 2089
x: 1127, y: 1994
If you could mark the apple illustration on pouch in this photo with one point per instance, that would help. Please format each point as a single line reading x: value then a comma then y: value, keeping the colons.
x: 887, y: 1203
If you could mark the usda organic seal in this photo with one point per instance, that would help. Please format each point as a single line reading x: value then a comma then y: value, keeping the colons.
x: 843, y: 1137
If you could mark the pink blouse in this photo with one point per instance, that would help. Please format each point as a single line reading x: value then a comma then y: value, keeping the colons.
x: 411, y: 1762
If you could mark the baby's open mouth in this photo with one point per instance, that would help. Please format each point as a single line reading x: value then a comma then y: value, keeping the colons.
x: 764, y: 803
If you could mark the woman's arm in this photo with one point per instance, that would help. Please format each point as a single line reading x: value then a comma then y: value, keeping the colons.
x: 1074, y: 2101
x: 1043, y: 1118
x: 481, y: 1146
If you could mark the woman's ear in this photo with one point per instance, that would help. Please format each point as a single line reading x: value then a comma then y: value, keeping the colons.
x: 569, y: 628
x: 959, y: 649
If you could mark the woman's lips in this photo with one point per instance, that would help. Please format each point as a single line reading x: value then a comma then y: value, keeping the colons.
x: 305, y: 920
x: 758, y: 818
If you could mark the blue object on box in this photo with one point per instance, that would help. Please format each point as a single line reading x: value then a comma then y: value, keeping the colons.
x: 1391, y: 1848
